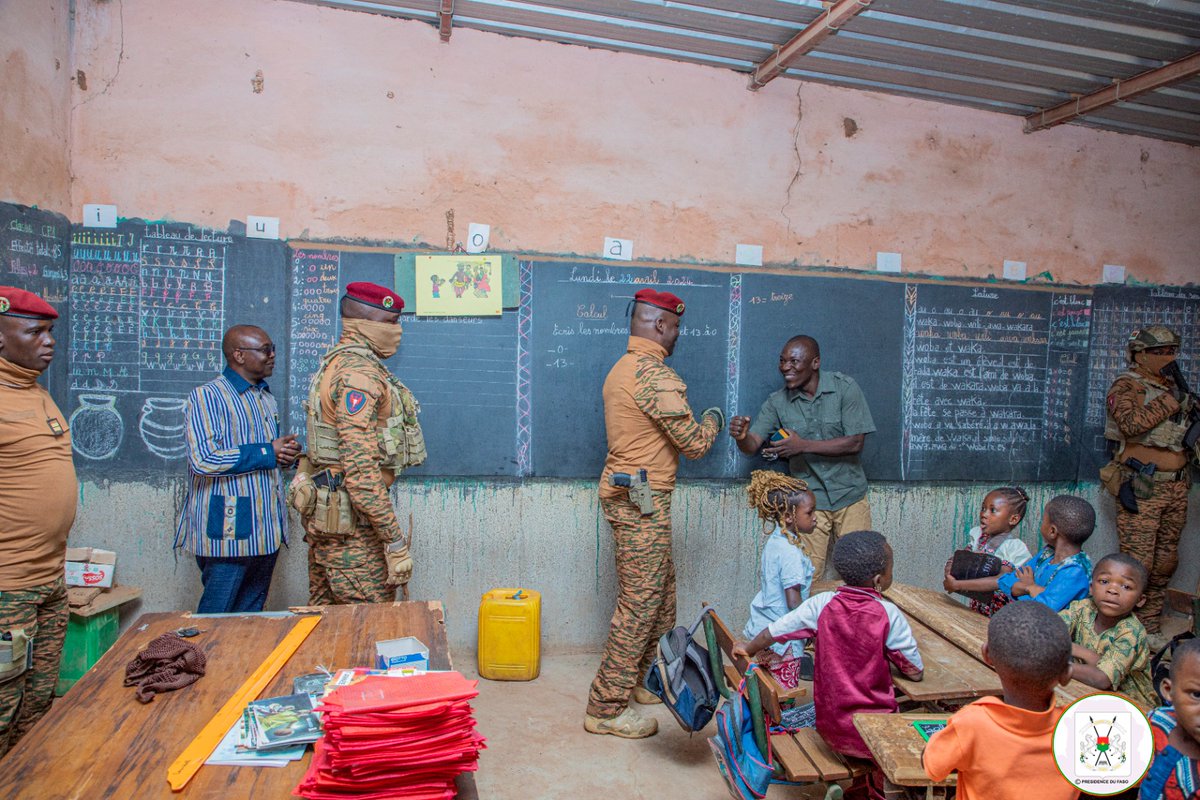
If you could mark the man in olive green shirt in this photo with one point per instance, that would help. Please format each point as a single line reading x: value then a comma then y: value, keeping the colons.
x: 826, y: 419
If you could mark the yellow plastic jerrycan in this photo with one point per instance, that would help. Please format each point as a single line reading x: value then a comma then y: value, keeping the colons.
x: 510, y: 634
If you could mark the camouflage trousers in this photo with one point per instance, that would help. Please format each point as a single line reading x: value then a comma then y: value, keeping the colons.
x: 347, y: 569
x: 42, y: 612
x: 1152, y: 537
x: 833, y: 525
x: 645, y: 600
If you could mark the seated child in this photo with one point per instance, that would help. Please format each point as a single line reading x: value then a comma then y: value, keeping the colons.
x: 858, y: 634
x: 1002, y: 511
x: 788, y: 505
x: 1110, y: 647
x: 1175, y: 772
x: 1062, y: 571
x: 1002, y: 748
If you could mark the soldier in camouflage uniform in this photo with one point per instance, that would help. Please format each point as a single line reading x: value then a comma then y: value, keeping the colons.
x: 362, y: 428
x: 1147, y: 418
x: 649, y: 424
x: 38, y: 492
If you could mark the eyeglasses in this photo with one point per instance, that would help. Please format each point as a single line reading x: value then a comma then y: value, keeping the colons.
x: 1164, y: 350
x: 266, y: 349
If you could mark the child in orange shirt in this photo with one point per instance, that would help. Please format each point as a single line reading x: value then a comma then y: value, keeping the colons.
x: 1002, y: 748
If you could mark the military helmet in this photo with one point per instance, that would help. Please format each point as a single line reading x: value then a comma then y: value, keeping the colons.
x: 1152, y: 336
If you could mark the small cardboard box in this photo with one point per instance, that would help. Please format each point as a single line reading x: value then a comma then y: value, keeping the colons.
x: 90, y: 566
x: 406, y: 652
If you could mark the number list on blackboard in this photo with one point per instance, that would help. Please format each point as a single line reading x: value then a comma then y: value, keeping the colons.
x: 316, y: 288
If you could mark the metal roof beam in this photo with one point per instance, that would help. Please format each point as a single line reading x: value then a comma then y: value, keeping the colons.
x: 813, y: 34
x: 1119, y: 90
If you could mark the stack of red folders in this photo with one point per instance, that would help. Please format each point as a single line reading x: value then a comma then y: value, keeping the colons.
x: 395, y: 738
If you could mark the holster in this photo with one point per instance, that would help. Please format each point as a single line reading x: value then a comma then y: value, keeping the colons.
x: 1143, y: 485
x: 332, y: 511
x: 14, y: 655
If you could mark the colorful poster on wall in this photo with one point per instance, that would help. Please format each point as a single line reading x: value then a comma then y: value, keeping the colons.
x: 458, y: 286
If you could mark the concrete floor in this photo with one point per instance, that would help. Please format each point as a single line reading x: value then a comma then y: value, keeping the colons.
x: 537, y: 747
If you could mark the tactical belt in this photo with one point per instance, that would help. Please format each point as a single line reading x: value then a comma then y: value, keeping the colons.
x: 1162, y: 476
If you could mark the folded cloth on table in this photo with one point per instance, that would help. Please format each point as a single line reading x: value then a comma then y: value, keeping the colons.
x: 168, y: 663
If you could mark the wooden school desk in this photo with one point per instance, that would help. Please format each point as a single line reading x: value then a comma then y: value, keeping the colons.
x: 897, y: 748
x: 952, y: 676
x: 98, y: 741
x: 958, y: 624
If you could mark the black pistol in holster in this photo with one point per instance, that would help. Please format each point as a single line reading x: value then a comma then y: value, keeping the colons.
x: 329, y: 480
x: 639, y: 489
x: 1143, y: 474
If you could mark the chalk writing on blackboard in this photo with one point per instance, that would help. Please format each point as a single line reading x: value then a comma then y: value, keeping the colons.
x: 104, y: 344
x: 1117, y: 313
x: 316, y: 287
x: 985, y: 380
x: 182, y: 295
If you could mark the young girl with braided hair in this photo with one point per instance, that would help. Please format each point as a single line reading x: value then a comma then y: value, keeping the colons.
x: 786, y: 508
x: 1001, y: 512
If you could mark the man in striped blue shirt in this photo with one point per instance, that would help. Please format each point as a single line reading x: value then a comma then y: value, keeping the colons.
x: 233, y: 517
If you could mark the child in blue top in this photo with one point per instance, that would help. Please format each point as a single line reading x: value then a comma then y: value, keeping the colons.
x: 1061, y: 572
x: 786, y: 507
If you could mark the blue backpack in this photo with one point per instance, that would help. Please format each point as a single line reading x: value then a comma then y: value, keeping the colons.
x: 746, y: 772
x: 681, y: 676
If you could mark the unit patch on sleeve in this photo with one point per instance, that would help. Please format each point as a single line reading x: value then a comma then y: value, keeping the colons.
x: 355, y: 401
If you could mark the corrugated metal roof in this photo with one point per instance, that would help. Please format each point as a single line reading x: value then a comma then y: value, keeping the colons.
x: 1017, y: 57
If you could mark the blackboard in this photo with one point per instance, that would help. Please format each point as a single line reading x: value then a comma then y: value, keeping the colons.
x: 462, y: 370
x: 150, y: 302
x: 1117, y: 312
x: 579, y: 327
x: 965, y: 381
x: 33, y: 257
x: 993, y: 382
x: 857, y: 324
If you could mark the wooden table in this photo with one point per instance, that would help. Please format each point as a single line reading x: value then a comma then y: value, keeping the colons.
x: 99, y: 742
x: 897, y: 748
x: 952, y: 674
x: 954, y: 622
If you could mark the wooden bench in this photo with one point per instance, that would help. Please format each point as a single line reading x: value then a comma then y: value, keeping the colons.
x: 803, y: 756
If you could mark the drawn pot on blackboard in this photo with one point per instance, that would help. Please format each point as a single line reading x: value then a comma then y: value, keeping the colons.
x: 163, y: 426
x: 96, y: 427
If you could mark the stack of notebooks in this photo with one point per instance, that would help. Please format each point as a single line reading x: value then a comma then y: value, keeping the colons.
x: 272, y: 732
x: 389, y: 737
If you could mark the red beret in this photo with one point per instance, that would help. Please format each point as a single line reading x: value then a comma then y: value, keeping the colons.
x: 663, y: 300
x: 16, y: 302
x: 375, y: 295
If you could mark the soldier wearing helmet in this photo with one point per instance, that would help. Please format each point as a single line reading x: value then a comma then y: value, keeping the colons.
x: 1146, y: 420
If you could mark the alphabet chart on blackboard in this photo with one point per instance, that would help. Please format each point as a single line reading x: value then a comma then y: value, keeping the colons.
x: 151, y: 302
x: 182, y: 307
